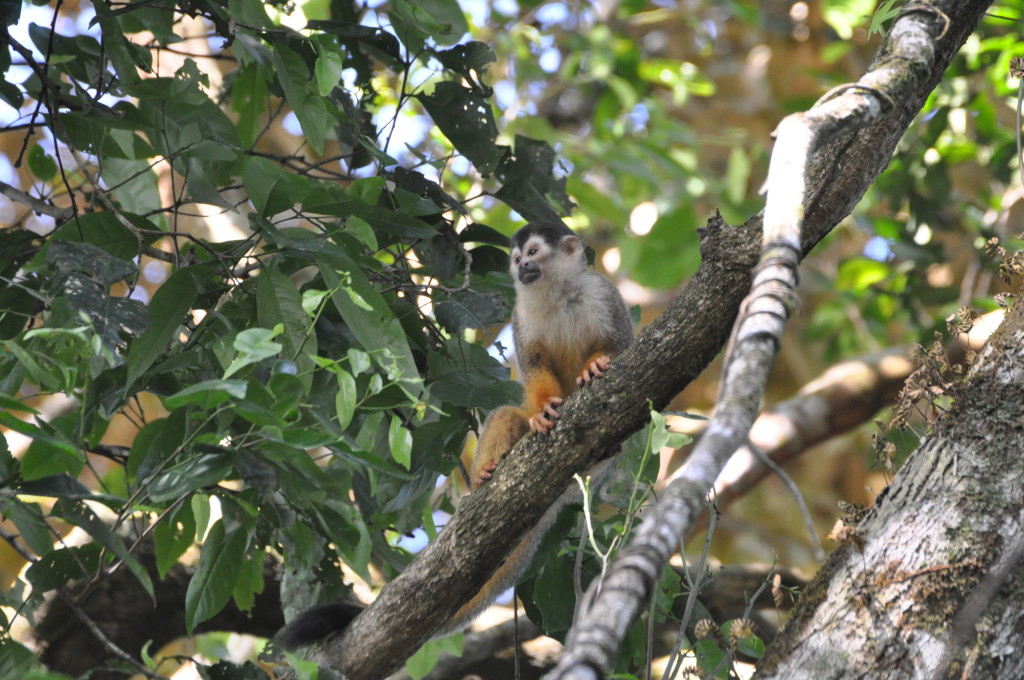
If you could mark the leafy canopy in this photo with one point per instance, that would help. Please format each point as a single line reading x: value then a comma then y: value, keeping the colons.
x: 236, y: 274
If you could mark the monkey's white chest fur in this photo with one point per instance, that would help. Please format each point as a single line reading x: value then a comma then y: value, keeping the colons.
x: 565, y: 314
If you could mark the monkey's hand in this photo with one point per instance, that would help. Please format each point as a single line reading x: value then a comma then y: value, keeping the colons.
x: 545, y: 419
x: 595, y: 369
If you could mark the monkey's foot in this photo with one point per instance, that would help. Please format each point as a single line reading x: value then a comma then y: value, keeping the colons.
x: 485, y: 473
x: 595, y: 369
x: 545, y: 419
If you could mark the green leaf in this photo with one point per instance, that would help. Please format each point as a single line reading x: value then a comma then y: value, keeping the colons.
x: 103, y: 230
x: 386, y: 222
x: 441, y: 20
x: 378, y: 329
x: 157, y: 441
x: 466, y: 119
x: 10, y: 12
x: 669, y: 253
x: 466, y: 375
x: 201, y: 511
x: 470, y: 309
x: 345, y: 399
x: 752, y: 646
x: 102, y: 134
x: 10, y: 92
x: 195, y: 133
x: 357, y: 38
x: 8, y: 403
x: 16, y: 660
x: 271, y: 189
x: 330, y: 62
x: 173, y: 535
x: 108, y: 317
x: 189, y: 475
x: 106, y: 270
x: 737, y: 174
x: 531, y: 185
x: 253, y: 345
x: 57, y: 486
x: 424, y: 660
x: 553, y: 595
x: 661, y: 436
x: 126, y: 57
x: 207, y: 394
x: 49, y: 381
x: 32, y: 528
x: 54, y: 455
x: 400, y: 442
x: 249, y: 101
x: 250, y: 582
x: 41, y: 163
x: 167, y: 310
x: 710, y: 656
x: 884, y: 12
x: 58, y: 567
x: 136, y: 190
x: 220, y: 564
x: 278, y: 303
x: 341, y: 521
x: 846, y: 15
x: 287, y: 391
x: 469, y: 60
x: 295, y: 80
x: 857, y: 274
x: 79, y: 514
x: 358, y: 361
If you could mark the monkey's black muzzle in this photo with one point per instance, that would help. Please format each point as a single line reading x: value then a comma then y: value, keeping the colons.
x: 529, y: 272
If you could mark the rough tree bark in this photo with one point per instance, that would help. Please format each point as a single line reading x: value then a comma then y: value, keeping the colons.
x: 935, y: 566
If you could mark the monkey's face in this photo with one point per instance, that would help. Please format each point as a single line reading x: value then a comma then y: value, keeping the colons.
x: 538, y: 257
x: 526, y: 262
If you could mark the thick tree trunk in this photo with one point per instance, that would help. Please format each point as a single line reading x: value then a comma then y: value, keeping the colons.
x: 929, y: 584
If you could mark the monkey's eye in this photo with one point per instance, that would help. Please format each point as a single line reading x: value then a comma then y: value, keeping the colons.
x: 533, y: 251
x: 518, y: 258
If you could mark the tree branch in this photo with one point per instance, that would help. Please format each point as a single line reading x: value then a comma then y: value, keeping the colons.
x: 36, y: 204
x: 847, y: 395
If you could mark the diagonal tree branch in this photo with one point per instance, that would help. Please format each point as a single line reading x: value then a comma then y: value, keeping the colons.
x: 36, y: 204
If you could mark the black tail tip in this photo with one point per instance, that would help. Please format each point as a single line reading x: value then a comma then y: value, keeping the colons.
x: 317, y: 623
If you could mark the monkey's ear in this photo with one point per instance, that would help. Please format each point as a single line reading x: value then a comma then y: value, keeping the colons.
x: 572, y: 244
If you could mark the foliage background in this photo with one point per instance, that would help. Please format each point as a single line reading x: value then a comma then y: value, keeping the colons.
x: 255, y: 311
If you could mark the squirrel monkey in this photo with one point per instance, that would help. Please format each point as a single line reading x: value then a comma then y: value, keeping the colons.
x: 568, y: 323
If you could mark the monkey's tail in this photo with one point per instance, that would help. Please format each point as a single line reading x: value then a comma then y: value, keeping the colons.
x: 317, y: 623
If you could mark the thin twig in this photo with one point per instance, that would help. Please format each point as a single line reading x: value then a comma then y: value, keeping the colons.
x: 12, y: 540
x: 819, y: 552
